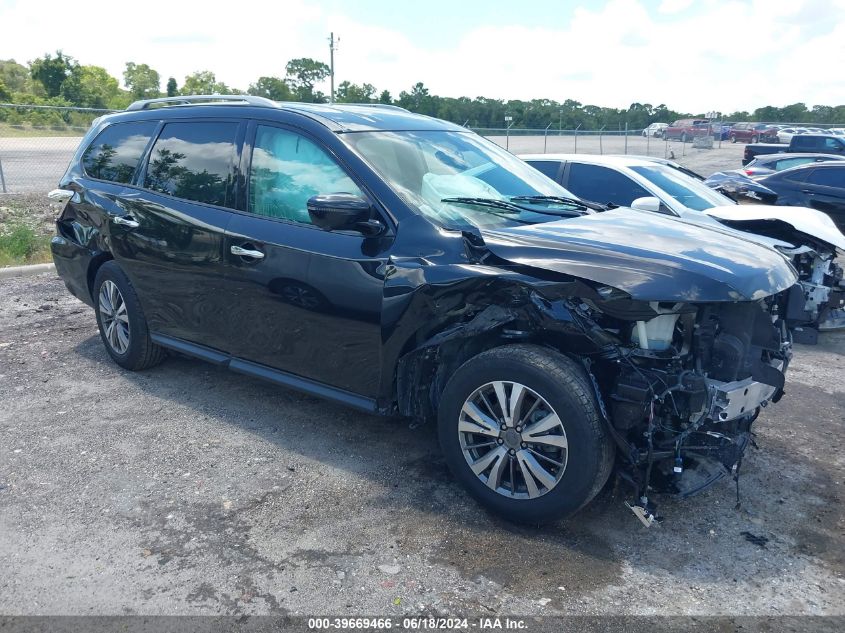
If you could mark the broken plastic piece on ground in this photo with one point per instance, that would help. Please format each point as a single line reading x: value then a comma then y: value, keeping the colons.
x: 646, y: 517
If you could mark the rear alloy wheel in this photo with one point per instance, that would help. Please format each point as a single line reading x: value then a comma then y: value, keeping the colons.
x: 754, y: 139
x: 120, y: 318
x: 113, y: 317
x: 520, y: 430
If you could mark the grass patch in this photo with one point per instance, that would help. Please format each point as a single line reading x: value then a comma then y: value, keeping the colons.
x: 29, y: 131
x: 21, y: 244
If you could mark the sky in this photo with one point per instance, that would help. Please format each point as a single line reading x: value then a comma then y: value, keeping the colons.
x: 694, y: 56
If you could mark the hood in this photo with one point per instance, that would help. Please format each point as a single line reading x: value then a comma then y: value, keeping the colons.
x: 649, y: 256
x: 803, y: 219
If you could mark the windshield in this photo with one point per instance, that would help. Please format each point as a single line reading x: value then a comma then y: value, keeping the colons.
x: 438, y: 172
x: 691, y: 193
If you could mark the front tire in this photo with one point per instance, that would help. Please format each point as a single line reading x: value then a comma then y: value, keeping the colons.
x: 683, y: 138
x: 521, y: 431
x: 733, y: 139
x: 123, y: 327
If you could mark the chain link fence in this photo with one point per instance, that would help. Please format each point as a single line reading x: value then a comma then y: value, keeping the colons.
x: 37, y: 143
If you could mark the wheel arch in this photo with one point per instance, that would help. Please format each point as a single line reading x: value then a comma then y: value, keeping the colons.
x: 93, y: 266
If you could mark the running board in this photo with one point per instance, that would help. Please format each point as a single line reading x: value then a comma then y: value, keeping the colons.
x: 241, y: 366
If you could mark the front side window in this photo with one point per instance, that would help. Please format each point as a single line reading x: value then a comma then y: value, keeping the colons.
x: 429, y: 170
x: 549, y: 168
x: 602, y: 184
x: 195, y: 161
x: 286, y: 170
x: 115, y: 153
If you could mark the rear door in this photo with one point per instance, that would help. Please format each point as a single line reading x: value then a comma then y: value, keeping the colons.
x: 170, y: 238
x: 308, y: 301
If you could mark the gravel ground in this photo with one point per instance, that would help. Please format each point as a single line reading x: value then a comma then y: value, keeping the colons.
x: 186, y: 489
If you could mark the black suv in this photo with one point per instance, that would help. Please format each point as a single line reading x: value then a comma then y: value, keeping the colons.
x: 406, y: 266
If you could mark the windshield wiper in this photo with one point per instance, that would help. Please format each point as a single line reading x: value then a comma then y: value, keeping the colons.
x: 496, y: 203
x: 582, y: 204
x: 492, y: 203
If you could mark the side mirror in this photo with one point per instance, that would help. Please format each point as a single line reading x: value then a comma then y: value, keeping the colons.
x: 342, y: 212
x: 647, y: 203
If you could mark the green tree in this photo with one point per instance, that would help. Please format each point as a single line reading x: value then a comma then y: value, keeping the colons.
x: 16, y: 76
x: 142, y: 81
x: 271, y: 88
x: 52, y: 72
x: 204, y: 82
x: 303, y: 74
x: 91, y: 87
x: 5, y: 93
x: 353, y: 93
x: 385, y: 97
x: 172, y: 88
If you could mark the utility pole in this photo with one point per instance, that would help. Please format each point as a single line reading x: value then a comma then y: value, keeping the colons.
x: 332, y: 43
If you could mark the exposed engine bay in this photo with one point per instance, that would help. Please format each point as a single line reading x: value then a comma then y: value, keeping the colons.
x: 683, y: 393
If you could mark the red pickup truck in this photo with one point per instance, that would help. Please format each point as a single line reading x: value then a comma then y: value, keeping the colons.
x: 687, y: 129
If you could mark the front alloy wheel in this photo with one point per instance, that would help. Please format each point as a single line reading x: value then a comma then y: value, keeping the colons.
x: 114, y: 317
x: 521, y: 431
x: 513, y: 440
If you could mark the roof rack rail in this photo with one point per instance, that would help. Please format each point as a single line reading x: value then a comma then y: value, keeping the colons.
x: 144, y: 104
x: 389, y: 106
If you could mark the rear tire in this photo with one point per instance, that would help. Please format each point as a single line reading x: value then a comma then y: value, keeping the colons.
x: 733, y: 139
x: 555, y: 408
x: 754, y: 139
x: 683, y: 137
x: 123, y: 327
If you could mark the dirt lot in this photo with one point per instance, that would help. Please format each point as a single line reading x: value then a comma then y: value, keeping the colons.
x: 189, y: 490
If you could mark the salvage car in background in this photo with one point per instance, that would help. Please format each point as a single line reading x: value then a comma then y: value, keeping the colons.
x: 765, y: 164
x: 747, y: 132
x: 655, y: 130
x: 550, y: 341
x: 816, y: 184
x: 809, y: 238
x: 687, y: 129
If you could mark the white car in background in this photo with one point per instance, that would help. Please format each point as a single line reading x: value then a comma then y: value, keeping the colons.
x: 785, y: 135
x: 655, y: 129
x: 809, y: 238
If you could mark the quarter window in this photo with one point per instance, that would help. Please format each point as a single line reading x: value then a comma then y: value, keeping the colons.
x: 286, y: 170
x: 115, y: 153
x: 194, y: 161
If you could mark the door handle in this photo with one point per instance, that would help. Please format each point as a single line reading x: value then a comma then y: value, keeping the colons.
x: 126, y: 220
x: 245, y: 252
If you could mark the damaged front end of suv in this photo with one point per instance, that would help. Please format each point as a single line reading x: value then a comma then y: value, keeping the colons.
x: 683, y: 339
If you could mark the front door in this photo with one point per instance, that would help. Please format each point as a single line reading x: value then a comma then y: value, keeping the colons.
x: 308, y: 300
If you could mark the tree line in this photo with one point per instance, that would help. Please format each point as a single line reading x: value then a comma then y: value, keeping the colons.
x: 59, y: 79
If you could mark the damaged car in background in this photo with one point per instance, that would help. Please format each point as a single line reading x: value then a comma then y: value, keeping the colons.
x: 808, y: 237
x: 405, y: 266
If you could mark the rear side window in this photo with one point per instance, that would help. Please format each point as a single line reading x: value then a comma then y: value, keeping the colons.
x: 195, y: 161
x: 601, y: 184
x: 115, y: 153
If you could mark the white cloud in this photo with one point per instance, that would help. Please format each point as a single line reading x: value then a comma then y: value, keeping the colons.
x: 674, y: 6
x: 613, y: 54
